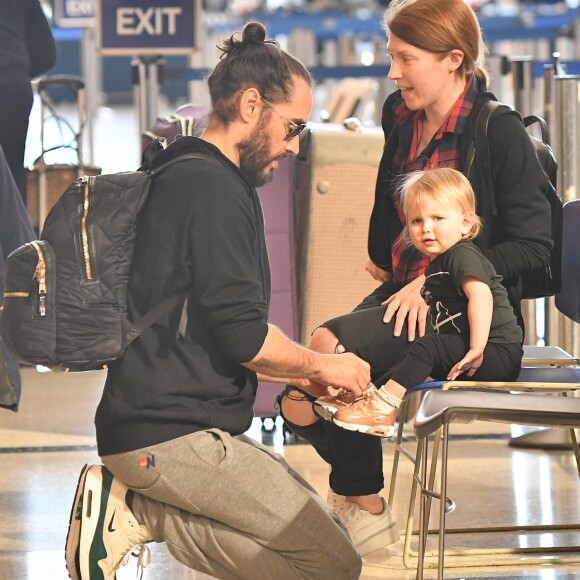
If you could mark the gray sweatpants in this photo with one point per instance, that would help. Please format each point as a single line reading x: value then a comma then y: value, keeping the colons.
x: 231, y: 508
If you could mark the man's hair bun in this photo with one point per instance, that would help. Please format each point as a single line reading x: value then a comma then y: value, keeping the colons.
x: 254, y: 32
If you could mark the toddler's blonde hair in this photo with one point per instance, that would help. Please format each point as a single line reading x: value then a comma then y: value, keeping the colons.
x: 445, y: 185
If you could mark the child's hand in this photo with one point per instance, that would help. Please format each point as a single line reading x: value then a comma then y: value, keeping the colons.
x: 469, y: 364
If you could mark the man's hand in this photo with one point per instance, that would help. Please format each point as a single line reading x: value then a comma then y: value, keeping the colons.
x: 377, y: 273
x: 469, y: 363
x: 344, y: 371
x: 281, y: 360
x: 408, y: 304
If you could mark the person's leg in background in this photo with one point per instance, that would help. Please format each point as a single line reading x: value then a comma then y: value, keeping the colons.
x: 356, y: 460
x: 365, y: 342
x: 15, y: 106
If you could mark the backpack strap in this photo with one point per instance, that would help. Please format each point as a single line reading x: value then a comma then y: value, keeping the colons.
x: 167, y: 305
x: 184, y: 157
x: 157, y: 312
x: 531, y: 119
x: 487, y: 197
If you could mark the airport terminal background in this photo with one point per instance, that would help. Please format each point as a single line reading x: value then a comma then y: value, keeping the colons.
x: 44, y: 446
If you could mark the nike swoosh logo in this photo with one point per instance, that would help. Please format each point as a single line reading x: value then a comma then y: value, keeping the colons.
x: 110, y: 526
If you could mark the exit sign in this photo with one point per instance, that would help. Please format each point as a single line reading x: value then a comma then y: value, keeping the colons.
x: 154, y: 27
x: 74, y: 13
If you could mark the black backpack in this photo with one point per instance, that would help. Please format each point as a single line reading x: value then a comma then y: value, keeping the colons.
x: 546, y: 279
x: 65, y: 295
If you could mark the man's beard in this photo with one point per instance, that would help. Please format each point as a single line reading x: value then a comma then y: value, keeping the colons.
x: 254, y: 155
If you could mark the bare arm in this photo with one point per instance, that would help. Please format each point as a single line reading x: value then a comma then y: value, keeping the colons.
x: 479, y: 313
x: 305, y: 384
x: 310, y: 387
x: 281, y: 360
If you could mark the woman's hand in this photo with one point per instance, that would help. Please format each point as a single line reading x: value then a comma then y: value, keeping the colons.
x: 469, y: 363
x: 408, y: 304
x: 377, y: 273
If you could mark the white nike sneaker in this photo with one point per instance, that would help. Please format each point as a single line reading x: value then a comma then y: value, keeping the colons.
x: 103, y: 532
x: 370, y: 532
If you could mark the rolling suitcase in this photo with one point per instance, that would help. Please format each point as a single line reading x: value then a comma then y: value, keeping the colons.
x: 334, y: 186
x: 46, y: 182
x: 189, y: 120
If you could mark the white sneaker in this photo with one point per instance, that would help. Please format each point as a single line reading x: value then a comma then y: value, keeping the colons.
x: 103, y: 531
x: 370, y: 532
x: 73, y: 536
x: 335, y: 501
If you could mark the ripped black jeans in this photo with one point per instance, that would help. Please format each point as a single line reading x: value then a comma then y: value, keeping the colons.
x: 356, y: 459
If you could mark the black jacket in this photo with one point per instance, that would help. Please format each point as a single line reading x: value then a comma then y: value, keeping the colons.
x: 201, y: 229
x: 27, y: 47
x: 15, y: 230
x: 516, y: 219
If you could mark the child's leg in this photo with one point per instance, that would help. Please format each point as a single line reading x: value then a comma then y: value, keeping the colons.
x: 394, y: 388
x: 429, y: 356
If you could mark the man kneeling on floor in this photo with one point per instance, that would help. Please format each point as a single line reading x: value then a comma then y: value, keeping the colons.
x: 176, y: 465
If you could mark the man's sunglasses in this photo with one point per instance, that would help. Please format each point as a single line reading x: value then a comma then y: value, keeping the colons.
x: 293, y: 129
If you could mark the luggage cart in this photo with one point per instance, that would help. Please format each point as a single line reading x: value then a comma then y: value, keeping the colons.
x: 46, y: 182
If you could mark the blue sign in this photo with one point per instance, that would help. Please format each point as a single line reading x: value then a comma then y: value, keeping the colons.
x: 74, y: 13
x: 154, y: 27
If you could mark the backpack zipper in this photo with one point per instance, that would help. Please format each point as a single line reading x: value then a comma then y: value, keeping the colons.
x: 84, y: 228
x: 40, y: 277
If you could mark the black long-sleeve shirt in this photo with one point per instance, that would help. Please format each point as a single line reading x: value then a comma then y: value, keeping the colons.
x: 201, y: 229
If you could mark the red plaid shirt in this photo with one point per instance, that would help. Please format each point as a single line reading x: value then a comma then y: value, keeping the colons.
x: 442, y: 151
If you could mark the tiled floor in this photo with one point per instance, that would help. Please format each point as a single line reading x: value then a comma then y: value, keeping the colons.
x: 43, y: 447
